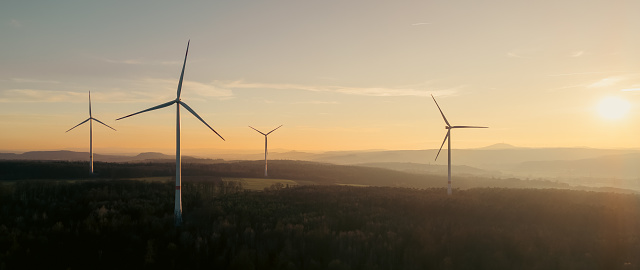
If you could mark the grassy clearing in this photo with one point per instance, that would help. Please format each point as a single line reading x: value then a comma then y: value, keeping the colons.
x: 352, y: 185
x: 12, y: 182
x: 155, y: 179
x: 260, y: 183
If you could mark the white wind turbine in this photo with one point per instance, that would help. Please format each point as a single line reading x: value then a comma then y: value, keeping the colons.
x: 90, y: 119
x: 178, y: 102
x: 448, y: 136
x: 265, y: 146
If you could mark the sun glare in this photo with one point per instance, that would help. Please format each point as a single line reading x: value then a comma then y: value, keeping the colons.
x: 613, y: 108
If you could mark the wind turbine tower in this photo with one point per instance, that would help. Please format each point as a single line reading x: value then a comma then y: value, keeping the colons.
x: 448, y: 127
x: 178, y: 102
x: 90, y: 119
x: 265, y: 147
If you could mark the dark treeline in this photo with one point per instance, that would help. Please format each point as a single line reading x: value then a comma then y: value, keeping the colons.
x: 319, y: 173
x: 129, y: 225
x: 308, y: 172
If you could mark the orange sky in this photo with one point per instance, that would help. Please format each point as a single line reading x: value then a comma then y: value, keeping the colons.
x: 338, y: 75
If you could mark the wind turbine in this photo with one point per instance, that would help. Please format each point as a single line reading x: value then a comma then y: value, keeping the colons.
x: 90, y: 119
x: 265, y: 146
x: 178, y: 102
x: 448, y: 136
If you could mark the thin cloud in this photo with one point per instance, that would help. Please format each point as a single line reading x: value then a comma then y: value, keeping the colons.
x: 49, y: 96
x: 15, y: 23
x: 421, y: 23
x: 128, y: 62
x: 28, y: 80
x: 577, y: 54
x: 169, y: 63
x: 134, y: 61
x: 567, y: 87
x: 515, y: 55
x: 35, y: 95
x: 630, y: 89
x: 318, y: 102
x: 361, y: 91
x: 145, y: 90
x: 583, y: 73
x: 609, y: 81
x: 196, y: 90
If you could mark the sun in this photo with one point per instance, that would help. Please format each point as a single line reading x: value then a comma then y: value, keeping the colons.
x: 613, y: 108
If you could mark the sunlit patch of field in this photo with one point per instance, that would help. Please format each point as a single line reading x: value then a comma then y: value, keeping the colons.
x: 352, y: 185
x: 12, y: 182
x: 155, y: 179
x: 260, y: 183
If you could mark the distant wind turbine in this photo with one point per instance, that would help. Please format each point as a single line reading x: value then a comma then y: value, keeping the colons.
x: 448, y: 136
x: 265, y: 146
x: 178, y: 102
x: 90, y: 119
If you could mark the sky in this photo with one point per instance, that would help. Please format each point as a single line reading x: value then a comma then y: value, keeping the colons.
x: 338, y: 75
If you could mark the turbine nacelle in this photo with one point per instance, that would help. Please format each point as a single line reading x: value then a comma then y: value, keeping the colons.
x: 179, y: 103
x: 265, y: 146
x: 90, y: 120
x: 448, y: 127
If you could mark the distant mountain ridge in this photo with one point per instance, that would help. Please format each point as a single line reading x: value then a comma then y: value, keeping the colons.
x: 499, y: 146
x: 498, y: 160
x: 81, y: 156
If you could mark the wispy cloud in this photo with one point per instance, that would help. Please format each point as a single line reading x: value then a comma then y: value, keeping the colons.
x: 362, y: 91
x: 577, y: 54
x: 421, y: 23
x: 584, y: 73
x: 30, y: 80
x: 630, y: 89
x: 605, y: 82
x: 134, y: 61
x: 567, y: 87
x: 15, y: 23
x: 158, y: 90
x: 514, y: 54
x: 145, y: 90
x: 317, y: 102
x: 126, y: 61
x: 196, y: 90
x: 35, y: 95
x: 50, y: 96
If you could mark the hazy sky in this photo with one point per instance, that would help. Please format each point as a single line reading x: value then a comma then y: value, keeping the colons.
x: 340, y: 75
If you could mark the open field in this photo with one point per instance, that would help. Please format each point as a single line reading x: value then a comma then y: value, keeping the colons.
x: 259, y: 184
x: 159, y: 179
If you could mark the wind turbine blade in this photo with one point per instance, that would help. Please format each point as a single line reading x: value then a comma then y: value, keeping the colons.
x: 182, y: 74
x: 150, y: 109
x: 90, y: 104
x: 78, y: 124
x: 104, y: 124
x: 198, y: 116
x: 273, y: 130
x: 467, y: 127
x: 258, y: 131
x: 443, y: 117
x: 445, y: 140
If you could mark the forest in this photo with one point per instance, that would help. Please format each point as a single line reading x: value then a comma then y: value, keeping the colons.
x: 126, y: 224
